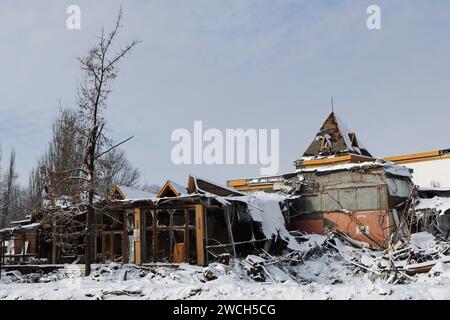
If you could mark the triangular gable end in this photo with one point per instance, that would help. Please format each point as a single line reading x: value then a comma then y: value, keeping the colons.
x: 117, y: 194
x: 168, y: 190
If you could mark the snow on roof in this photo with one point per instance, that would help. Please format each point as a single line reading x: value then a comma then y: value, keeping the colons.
x: 438, y: 189
x: 265, y: 208
x: 24, y: 227
x: 265, y: 178
x: 21, y: 221
x: 135, y: 194
x: 233, y: 191
x: 389, y: 167
x: 397, y: 170
x: 345, y: 131
x: 334, y: 138
x: 179, y: 188
x: 440, y: 204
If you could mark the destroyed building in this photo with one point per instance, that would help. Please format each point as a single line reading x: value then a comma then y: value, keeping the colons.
x: 431, y: 174
x: 21, y: 242
x: 337, y: 186
x: 433, y: 210
x: 195, y: 224
x: 361, y: 200
x: 340, y: 186
x: 334, y: 144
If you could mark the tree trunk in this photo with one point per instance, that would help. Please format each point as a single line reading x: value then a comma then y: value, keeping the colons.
x: 87, y: 252
x: 90, y: 213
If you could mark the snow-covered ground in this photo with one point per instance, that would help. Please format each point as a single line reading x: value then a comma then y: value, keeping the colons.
x: 324, y: 277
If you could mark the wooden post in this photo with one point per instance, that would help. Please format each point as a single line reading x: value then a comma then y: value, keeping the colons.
x: 142, y: 233
x: 111, y: 245
x: 206, y: 234
x: 103, y: 246
x: 4, y: 243
x: 200, y: 233
x: 94, y: 243
x: 171, y: 236
x: 186, y: 235
x: 53, y: 242
x: 155, y: 235
x: 38, y: 244
x: 23, y: 246
x: 137, y: 236
x: 102, y: 235
x: 124, y: 239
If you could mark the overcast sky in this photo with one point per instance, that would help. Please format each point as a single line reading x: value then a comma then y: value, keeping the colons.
x: 232, y: 64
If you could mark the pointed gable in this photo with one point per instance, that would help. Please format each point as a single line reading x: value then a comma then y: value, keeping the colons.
x: 171, y: 189
x: 128, y: 193
x: 334, y: 138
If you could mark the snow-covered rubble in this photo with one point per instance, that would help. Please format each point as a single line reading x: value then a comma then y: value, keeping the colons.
x: 327, y: 267
x: 439, y: 204
x: 265, y: 209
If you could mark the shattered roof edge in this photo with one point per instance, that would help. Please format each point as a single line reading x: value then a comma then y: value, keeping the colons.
x: 387, y: 165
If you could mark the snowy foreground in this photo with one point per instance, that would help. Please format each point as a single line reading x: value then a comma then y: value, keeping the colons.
x: 323, y: 276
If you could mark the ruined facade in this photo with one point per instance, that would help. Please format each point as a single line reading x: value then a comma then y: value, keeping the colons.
x: 363, y: 201
x: 340, y: 187
x: 334, y: 143
x: 196, y: 224
x: 337, y: 185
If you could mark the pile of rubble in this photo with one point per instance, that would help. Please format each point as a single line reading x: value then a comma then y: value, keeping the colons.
x: 398, y: 264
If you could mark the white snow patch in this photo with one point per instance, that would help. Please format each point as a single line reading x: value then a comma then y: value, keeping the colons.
x: 265, y: 208
x: 423, y: 242
x: 136, y: 194
x: 440, y: 204
x: 326, y: 277
x: 389, y: 167
x: 345, y: 134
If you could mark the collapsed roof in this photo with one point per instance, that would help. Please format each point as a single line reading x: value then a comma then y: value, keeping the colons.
x: 389, y: 167
x: 334, y: 138
x: 172, y: 189
x: 435, y: 199
x: 129, y: 193
x: 441, y: 205
x: 200, y: 185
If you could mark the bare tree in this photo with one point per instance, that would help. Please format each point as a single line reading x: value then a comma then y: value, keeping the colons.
x: 57, y: 184
x: 81, y: 163
x: 116, y: 169
x: 100, y: 66
x: 64, y: 157
x: 35, y: 191
x: 9, y: 195
x: 2, y: 203
x: 57, y: 172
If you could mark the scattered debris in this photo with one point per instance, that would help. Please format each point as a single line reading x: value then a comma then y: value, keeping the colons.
x: 210, y: 274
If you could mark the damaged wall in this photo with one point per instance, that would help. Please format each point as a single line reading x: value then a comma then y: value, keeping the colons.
x: 359, y: 202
